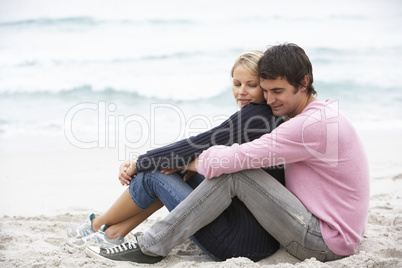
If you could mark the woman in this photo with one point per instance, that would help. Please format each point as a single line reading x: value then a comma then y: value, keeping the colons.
x: 236, y: 232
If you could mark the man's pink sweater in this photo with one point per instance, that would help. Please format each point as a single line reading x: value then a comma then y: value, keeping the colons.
x: 326, y: 167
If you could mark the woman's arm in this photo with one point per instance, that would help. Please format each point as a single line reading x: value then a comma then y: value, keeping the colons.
x: 250, y: 123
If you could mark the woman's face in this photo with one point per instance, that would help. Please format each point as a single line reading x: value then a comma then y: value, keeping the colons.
x: 246, y: 87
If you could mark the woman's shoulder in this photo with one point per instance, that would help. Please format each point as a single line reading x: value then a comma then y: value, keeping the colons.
x: 254, y: 107
x: 260, y: 110
x: 260, y: 113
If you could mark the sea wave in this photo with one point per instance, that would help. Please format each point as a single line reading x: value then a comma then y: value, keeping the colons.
x: 90, y: 21
x: 51, y: 21
x: 144, y: 58
x: 82, y: 91
x: 88, y: 92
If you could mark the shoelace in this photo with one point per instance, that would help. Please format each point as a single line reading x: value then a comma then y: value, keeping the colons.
x: 93, y: 236
x: 121, y: 248
x: 82, y: 229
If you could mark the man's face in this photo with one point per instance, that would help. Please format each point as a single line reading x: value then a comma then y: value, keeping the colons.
x: 281, y: 96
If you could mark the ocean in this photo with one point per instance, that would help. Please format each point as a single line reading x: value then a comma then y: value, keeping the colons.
x: 136, y: 74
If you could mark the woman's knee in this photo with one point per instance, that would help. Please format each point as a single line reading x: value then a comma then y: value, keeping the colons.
x: 141, y: 191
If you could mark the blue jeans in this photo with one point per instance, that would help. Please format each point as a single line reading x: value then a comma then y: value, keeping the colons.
x: 279, y: 211
x: 234, y: 233
x: 146, y: 187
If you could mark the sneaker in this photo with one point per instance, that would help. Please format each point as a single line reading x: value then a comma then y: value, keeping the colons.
x: 129, y: 251
x: 98, y: 238
x: 81, y: 230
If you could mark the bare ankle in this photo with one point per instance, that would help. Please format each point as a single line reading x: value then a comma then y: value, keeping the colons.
x: 96, y: 224
x: 112, y: 233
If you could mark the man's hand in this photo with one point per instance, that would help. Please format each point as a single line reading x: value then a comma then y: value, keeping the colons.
x: 191, y: 170
x: 169, y: 171
x: 186, y: 176
x: 193, y: 165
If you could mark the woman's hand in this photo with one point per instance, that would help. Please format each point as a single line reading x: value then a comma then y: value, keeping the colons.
x: 132, y: 169
x: 126, y: 171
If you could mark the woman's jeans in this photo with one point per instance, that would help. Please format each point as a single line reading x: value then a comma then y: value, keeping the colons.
x: 146, y: 187
x: 279, y: 211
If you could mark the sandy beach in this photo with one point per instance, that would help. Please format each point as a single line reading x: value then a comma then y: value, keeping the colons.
x: 141, y: 74
x: 43, y: 192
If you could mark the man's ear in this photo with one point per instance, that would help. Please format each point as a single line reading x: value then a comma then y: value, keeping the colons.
x: 304, y: 83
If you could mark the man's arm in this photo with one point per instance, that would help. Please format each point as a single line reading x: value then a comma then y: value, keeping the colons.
x: 250, y: 123
x: 286, y: 144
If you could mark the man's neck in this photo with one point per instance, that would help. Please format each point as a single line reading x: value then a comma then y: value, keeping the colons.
x: 303, y: 104
x: 310, y: 99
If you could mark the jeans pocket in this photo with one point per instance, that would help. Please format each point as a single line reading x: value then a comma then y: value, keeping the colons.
x: 302, y: 253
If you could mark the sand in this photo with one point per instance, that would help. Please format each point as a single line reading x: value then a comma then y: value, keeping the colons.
x: 56, y: 188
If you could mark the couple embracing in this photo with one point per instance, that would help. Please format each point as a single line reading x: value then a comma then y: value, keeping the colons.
x: 232, y: 201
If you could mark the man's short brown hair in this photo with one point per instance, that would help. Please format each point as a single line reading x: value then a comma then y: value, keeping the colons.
x: 287, y: 61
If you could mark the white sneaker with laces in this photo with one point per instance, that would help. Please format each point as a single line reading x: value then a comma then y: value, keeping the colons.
x: 83, y: 229
x: 99, y: 238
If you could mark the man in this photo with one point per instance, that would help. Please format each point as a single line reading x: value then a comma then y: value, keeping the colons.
x: 323, y: 210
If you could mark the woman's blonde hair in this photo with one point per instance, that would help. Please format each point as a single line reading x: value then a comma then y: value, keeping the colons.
x: 249, y: 60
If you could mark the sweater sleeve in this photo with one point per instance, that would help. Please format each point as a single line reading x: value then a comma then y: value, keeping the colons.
x: 286, y: 144
x: 250, y: 123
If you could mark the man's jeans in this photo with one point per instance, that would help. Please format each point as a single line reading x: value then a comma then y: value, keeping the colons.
x: 149, y: 186
x: 275, y: 207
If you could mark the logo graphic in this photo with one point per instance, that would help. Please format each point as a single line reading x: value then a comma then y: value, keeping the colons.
x: 327, y: 120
